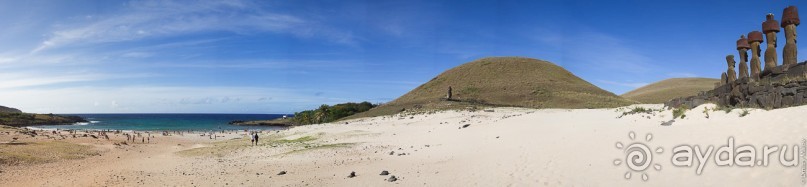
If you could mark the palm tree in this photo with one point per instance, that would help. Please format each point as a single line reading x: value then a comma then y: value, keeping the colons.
x: 322, y: 113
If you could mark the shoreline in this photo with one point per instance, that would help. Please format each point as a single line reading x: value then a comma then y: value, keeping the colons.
x: 493, y: 147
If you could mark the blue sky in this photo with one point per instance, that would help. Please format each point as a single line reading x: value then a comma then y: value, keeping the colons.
x: 285, y: 56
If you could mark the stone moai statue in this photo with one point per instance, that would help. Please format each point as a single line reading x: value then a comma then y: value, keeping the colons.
x: 731, y: 75
x: 770, y: 27
x: 742, y: 47
x: 790, y: 19
x: 448, y: 95
x: 754, y: 38
x: 723, y: 79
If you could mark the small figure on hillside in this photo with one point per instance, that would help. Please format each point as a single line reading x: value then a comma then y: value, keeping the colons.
x: 448, y: 96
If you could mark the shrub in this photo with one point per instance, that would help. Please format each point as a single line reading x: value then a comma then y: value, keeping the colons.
x: 325, y: 113
x: 680, y: 112
x: 744, y: 112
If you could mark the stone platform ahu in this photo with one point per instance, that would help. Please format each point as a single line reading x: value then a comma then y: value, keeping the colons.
x: 776, y: 86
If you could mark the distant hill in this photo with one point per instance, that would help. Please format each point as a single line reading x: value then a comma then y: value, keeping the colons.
x: 4, y: 109
x: 16, y: 118
x: 503, y: 81
x: 664, y: 90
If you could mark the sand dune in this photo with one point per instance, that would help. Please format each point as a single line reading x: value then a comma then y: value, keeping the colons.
x: 498, y: 147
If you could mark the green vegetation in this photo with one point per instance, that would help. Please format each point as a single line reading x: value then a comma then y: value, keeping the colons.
x: 680, y: 112
x: 297, y: 145
x: 325, y: 113
x: 502, y: 81
x: 640, y: 110
x: 744, y: 112
x: 662, y: 91
x: 706, y: 112
x: 298, y: 140
x: 43, y: 152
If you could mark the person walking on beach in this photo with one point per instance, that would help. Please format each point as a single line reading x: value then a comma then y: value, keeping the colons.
x: 251, y: 139
x: 255, y: 138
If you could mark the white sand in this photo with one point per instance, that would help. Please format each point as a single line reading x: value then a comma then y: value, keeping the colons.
x: 507, y: 147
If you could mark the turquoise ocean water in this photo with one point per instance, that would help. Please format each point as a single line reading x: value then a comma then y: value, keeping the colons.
x: 158, y: 122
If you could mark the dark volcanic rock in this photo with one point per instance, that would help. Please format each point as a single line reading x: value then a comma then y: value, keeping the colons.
x: 282, y: 173
x: 385, y: 172
x: 352, y: 174
x: 392, y: 179
x: 776, y: 89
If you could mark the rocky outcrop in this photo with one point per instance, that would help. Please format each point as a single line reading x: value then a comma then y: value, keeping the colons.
x: 776, y: 90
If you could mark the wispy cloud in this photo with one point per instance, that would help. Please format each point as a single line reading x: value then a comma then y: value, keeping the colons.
x: 605, y: 52
x: 29, y: 79
x: 151, y: 19
x: 135, y: 99
x: 624, y: 84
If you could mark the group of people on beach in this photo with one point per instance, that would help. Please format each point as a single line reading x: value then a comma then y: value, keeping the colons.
x: 254, y: 138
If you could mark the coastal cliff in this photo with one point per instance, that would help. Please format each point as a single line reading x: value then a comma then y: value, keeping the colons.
x: 16, y: 118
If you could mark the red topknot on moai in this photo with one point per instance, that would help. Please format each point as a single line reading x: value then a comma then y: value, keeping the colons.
x: 790, y: 19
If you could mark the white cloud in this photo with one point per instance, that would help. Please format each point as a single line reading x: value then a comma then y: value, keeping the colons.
x: 605, y: 52
x: 151, y: 99
x: 149, y: 19
x: 624, y: 84
x: 28, y: 79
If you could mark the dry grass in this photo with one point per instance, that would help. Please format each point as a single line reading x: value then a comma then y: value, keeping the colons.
x: 503, y: 81
x: 43, y: 152
x: 223, y: 148
x: 319, y: 147
x: 662, y: 91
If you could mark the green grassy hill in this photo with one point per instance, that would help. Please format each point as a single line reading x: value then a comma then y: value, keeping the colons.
x: 503, y: 81
x: 664, y: 90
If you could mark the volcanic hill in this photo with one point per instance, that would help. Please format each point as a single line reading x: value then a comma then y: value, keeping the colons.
x: 664, y: 90
x: 503, y: 81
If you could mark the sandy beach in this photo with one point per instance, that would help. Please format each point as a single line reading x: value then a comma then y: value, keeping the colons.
x: 491, y: 147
